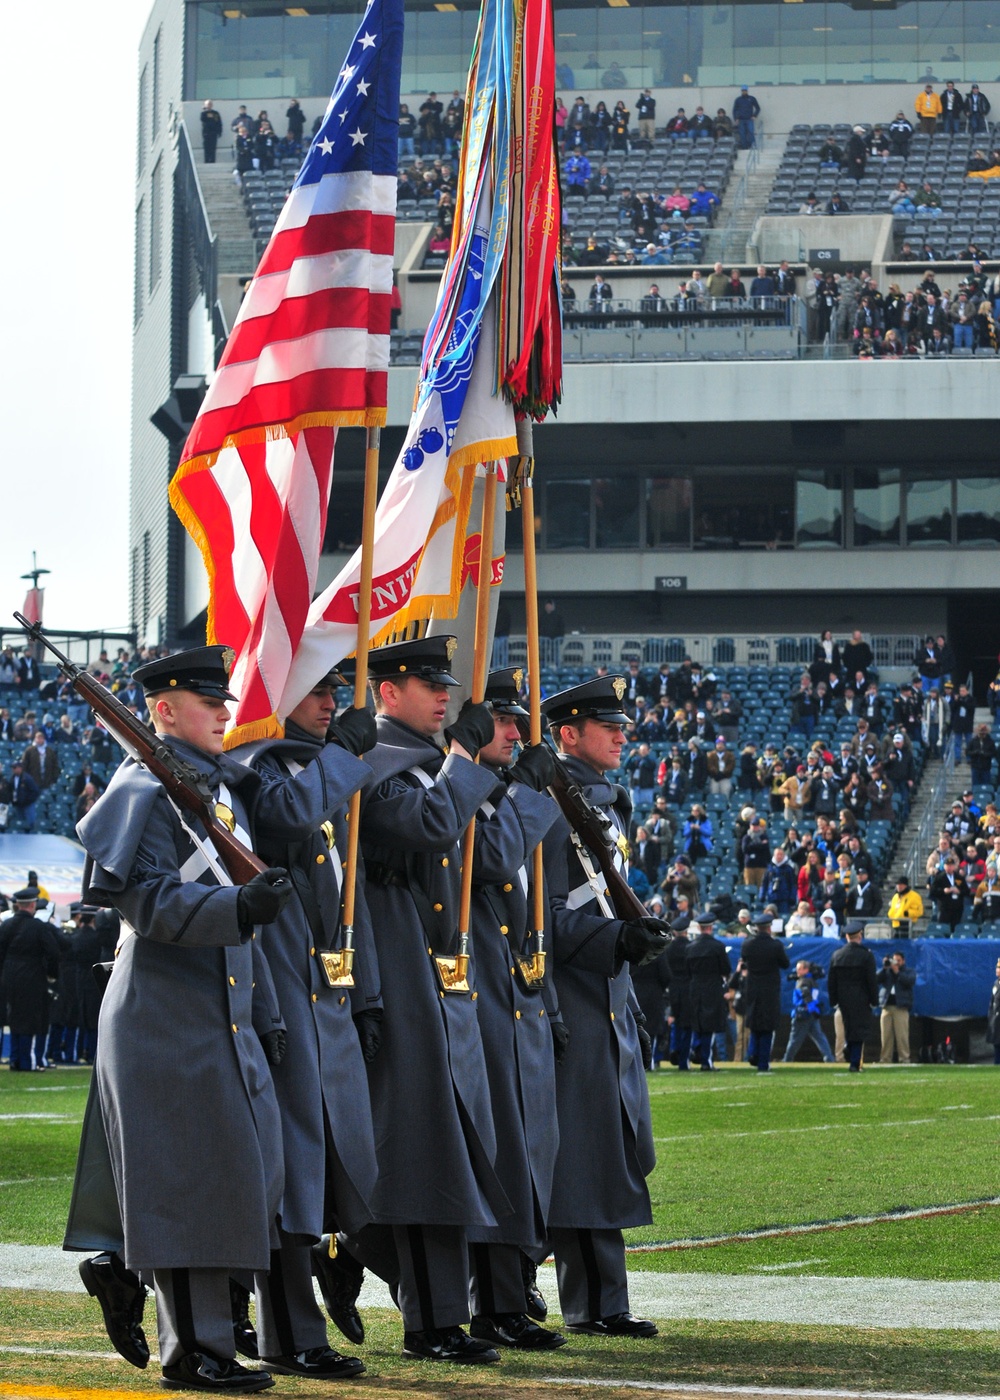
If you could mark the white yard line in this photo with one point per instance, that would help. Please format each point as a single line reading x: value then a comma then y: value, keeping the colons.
x: 823, y: 1128
x: 697, y: 1388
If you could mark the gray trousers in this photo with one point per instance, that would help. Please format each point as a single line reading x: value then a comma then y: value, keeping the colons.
x: 193, y: 1312
x: 289, y: 1319
x: 426, y: 1267
x: 496, y: 1282
x: 590, y: 1272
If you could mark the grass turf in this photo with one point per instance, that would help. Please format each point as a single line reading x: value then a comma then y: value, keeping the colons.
x: 688, y: 1353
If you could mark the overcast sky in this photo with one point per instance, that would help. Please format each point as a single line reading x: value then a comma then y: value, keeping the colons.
x: 69, y: 96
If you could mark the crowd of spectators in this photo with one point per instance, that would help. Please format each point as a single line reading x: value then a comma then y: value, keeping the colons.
x: 927, y: 319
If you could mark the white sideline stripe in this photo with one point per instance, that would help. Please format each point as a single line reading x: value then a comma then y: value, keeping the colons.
x: 696, y: 1387
x: 46, y: 1117
x: 33, y: 1180
x: 823, y: 1128
x: 58, y: 1351
x: 811, y: 1227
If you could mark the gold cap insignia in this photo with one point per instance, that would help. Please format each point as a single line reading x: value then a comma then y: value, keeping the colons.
x: 618, y: 685
x: 228, y: 658
x: 226, y: 816
x: 517, y: 678
x: 451, y: 646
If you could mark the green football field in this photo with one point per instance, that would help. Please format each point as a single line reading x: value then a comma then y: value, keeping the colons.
x: 811, y: 1158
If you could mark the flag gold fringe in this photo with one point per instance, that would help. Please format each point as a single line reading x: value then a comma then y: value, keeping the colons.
x: 492, y: 450
x: 192, y: 524
x: 249, y: 733
x: 274, y: 432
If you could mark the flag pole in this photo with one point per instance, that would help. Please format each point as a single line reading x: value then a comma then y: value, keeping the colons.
x: 526, y: 469
x: 342, y: 974
x: 480, y: 669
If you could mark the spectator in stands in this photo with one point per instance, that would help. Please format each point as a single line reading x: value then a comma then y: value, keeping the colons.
x: 946, y: 656
x: 407, y: 133
x: 677, y: 127
x: 962, y: 322
x: 700, y: 125
x: 981, y: 750
x: 900, y: 135
x: 451, y: 131
x: 831, y: 156
x: 645, y: 111
x: 704, y: 202
x: 952, y: 107
x: 429, y: 123
x: 949, y: 893
x: 811, y: 205
x: 877, y: 145
x: 677, y: 204
x: 296, y: 119
x: 577, y: 171
x: 977, y: 109
x: 697, y: 834
x: 928, y: 200
x: 735, y: 287
x: 928, y: 108
x: 746, y: 109
x: 858, y: 656
x: 620, y: 119
x: 962, y: 714
x: 717, y: 282
x: 577, y: 121
x: 405, y: 193
x: 244, y: 150
x: 721, y: 765
x: 24, y: 795
x: 779, y: 885
x: 603, y: 183
x: 601, y: 123
x: 837, y: 204
x: 211, y: 130
x: 242, y: 118
x: 755, y: 849
x: 857, y: 154
x: 722, y: 125
x: 868, y: 319
x: 41, y: 761
x: 862, y: 899
x: 986, y: 900
x: 901, y: 202
x: 265, y: 146
x: 905, y: 908
x: 439, y: 243
x: 763, y: 284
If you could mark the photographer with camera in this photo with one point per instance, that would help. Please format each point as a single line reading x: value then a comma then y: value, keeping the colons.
x: 895, y: 998
x: 806, y: 1012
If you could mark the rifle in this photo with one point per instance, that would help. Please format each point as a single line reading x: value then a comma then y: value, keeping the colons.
x: 597, y: 833
x: 185, y: 785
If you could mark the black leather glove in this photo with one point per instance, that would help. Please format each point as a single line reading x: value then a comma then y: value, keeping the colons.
x: 642, y: 940
x: 354, y: 731
x: 260, y: 901
x: 369, y: 1028
x: 473, y: 729
x: 536, y: 768
x: 275, y: 1044
x: 645, y: 1047
x: 560, y: 1040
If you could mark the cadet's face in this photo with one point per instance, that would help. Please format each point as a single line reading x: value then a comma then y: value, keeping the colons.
x: 197, y: 719
x: 314, y: 713
x: 597, y: 742
x: 420, y: 704
x: 506, y: 734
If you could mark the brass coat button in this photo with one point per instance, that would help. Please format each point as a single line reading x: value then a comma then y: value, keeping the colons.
x: 438, y: 908
x: 444, y: 861
x: 314, y: 997
x: 503, y: 928
x: 341, y: 1001
x: 508, y: 887
x: 235, y: 1028
x: 232, y: 981
x: 321, y: 859
x: 517, y: 1015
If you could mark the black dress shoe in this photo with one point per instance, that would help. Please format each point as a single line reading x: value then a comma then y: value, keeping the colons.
x: 200, y: 1370
x: 340, y: 1281
x: 617, y: 1325
x: 321, y: 1363
x: 450, y: 1344
x: 514, y: 1330
x: 244, y: 1335
x: 535, y: 1304
x: 122, y: 1297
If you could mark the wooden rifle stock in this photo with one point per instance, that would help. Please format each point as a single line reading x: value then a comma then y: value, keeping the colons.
x: 184, y: 783
x: 597, y: 833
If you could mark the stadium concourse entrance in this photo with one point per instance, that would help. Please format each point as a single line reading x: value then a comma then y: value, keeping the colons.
x: 973, y: 629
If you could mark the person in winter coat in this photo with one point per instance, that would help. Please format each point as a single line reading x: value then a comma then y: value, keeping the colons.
x: 854, y: 991
x: 29, y: 956
x: 755, y: 850
x: 981, y: 750
x: 905, y: 907
x: 697, y: 833
x: 709, y: 970
x: 780, y: 884
x: 896, y: 982
x: 764, y: 958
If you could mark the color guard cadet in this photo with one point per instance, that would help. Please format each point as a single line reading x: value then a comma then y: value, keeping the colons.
x: 430, y: 1096
x: 29, y: 956
x: 521, y: 1036
x: 332, y: 1027
x: 605, y: 1137
x: 186, y: 1096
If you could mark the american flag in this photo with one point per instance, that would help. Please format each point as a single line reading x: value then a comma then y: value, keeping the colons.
x: 308, y: 353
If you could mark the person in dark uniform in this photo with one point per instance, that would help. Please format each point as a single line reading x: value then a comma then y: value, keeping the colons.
x: 709, y: 970
x: 211, y: 130
x: 521, y: 1034
x: 92, y: 943
x: 321, y: 1082
x: 186, y: 1098
x: 764, y: 957
x: 429, y: 1090
x: 605, y: 1136
x: 63, y: 1045
x: 993, y: 1017
x: 853, y: 987
x: 679, y: 1017
x: 29, y: 956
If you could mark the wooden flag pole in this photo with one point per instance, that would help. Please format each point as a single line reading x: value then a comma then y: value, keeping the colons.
x: 480, y: 670
x: 526, y: 468
x: 342, y: 976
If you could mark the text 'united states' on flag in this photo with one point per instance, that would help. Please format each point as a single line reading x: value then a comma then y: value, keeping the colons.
x: 309, y: 352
